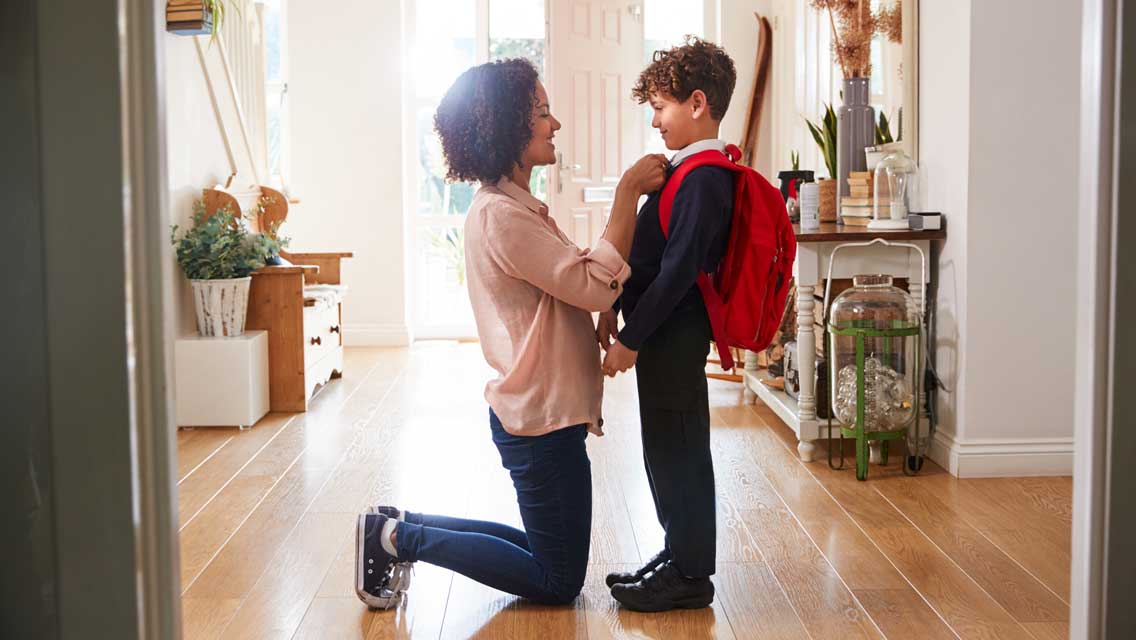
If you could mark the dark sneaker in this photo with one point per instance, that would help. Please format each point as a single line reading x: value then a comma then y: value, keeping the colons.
x: 400, y: 575
x: 663, y: 590
x: 390, y: 512
x: 631, y: 578
x: 378, y: 579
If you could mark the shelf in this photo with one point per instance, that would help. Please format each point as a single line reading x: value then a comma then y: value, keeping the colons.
x: 782, y: 404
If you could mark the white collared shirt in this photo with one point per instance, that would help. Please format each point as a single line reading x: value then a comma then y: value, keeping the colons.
x: 695, y: 147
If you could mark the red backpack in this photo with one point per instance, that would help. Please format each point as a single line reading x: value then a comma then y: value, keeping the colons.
x: 746, y: 296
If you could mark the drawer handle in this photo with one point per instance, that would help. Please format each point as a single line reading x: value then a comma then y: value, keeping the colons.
x: 335, y: 329
x: 317, y: 340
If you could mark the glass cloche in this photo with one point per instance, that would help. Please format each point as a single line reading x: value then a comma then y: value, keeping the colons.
x: 894, y: 184
x: 874, y: 332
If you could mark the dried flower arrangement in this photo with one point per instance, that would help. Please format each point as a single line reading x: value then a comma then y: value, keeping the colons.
x: 852, y: 40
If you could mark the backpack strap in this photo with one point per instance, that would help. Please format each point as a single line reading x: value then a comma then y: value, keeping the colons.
x: 715, y: 308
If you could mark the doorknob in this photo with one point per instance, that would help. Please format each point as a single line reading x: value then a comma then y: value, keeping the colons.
x: 561, y: 169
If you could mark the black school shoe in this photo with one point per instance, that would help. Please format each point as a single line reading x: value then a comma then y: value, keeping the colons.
x: 380, y: 579
x: 663, y: 590
x: 631, y: 578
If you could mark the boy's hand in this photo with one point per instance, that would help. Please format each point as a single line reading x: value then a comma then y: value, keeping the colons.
x: 647, y: 175
x: 618, y: 359
x: 607, y: 329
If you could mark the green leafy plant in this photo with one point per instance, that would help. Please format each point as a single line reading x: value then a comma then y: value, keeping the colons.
x: 220, y: 247
x: 824, y: 133
x: 219, y: 9
x: 449, y: 244
x: 883, y: 130
x: 795, y: 159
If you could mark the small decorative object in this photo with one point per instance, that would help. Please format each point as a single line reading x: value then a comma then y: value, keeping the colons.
x: 810, y: 206
x: 874, y: 348
x: 217, y: 255
x: 925, y: 220
x: 824, y: 134
x: 895, y: 179
x: 791, y: 182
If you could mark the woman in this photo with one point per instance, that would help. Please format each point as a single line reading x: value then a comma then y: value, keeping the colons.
x: 532, y: 293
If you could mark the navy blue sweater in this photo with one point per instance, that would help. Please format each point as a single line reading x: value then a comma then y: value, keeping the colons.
x: 664, y: 270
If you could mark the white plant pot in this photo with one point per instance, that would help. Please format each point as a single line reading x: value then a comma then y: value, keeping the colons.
x: 221, y: 306
x: 873, y: 155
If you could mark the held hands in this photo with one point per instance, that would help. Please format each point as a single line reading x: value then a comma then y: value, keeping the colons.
x: 618, y: 359
x: 607, y: 329
x: 646, y: 175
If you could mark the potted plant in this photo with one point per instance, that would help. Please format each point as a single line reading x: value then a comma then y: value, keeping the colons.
x: 824, y: 133
x: 197, y: 17
x: 885, y: 144
x: 218, y: 255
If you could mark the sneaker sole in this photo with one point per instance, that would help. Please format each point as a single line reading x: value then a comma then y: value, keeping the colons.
x: 388, y: 597
x: 688, y: 603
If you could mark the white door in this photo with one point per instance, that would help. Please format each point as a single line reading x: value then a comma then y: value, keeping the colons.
x: 595, y: 55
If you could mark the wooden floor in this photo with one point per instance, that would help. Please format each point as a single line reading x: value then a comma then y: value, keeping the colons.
x: 803, y: 551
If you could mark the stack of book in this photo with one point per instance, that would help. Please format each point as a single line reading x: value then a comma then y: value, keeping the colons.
x: 188, y: 16
x: 856, y: 207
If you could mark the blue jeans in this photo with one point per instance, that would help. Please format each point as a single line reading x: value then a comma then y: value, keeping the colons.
x: 547, y: 561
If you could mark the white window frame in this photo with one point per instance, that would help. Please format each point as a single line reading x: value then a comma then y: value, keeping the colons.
x: 276, y: 92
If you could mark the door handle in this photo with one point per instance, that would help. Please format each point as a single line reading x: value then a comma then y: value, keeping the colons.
x: 561, y: 169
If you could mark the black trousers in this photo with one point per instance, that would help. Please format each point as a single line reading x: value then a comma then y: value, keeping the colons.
x: 674, y: 413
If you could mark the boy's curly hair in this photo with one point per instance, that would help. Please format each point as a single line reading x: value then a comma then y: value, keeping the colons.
x: 485, y: 120
x: 679, y: 71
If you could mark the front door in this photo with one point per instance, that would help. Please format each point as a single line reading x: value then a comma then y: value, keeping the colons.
x: 595, y: 54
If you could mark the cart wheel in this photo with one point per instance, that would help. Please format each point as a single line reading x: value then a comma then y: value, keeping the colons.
x: 915, y: 463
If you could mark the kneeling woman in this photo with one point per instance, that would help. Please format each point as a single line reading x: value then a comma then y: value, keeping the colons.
x: 532, y: 292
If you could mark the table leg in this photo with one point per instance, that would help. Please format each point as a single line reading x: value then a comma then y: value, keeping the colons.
x: 748, y: 396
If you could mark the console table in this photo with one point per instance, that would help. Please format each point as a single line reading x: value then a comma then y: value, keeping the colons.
x: 814, y: 250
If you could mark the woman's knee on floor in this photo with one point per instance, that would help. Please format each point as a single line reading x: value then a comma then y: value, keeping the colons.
x: 561, y: 592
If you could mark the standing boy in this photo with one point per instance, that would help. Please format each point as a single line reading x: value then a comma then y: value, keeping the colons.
x: 667, y: 331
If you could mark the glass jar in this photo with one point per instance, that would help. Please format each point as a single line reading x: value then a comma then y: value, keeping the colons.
x: 893, y: 193
x: 874, y: 342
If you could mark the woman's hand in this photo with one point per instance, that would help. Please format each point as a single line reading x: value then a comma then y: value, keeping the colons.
x: 647, y: 175
x: 607, y: 329
x: 618, y: 359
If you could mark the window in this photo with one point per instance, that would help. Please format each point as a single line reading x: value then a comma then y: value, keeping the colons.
x: 276, y: 90
x: 449, y: 36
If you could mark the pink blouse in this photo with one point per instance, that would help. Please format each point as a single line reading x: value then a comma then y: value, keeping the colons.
x: 532, y: 292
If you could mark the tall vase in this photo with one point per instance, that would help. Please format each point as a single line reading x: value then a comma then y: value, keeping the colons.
x: 855, y: 129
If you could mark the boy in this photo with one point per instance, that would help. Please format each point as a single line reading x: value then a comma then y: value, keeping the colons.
x: 666, y: 332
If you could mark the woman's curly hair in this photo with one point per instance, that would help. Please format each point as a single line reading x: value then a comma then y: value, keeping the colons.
x: 485, y: 120
x: 679, y: 71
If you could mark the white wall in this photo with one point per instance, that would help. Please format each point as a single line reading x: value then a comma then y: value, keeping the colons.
x: 732, y: 25
x: 944, y: 160
x: 1010, y: 195
x: 195, y: 152
x: 345, y: 98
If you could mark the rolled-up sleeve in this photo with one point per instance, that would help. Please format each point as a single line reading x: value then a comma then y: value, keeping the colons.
x: 525, y: 246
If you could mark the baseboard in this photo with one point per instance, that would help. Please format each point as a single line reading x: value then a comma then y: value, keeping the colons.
x: 999, y: 458
x: 375, y: 335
